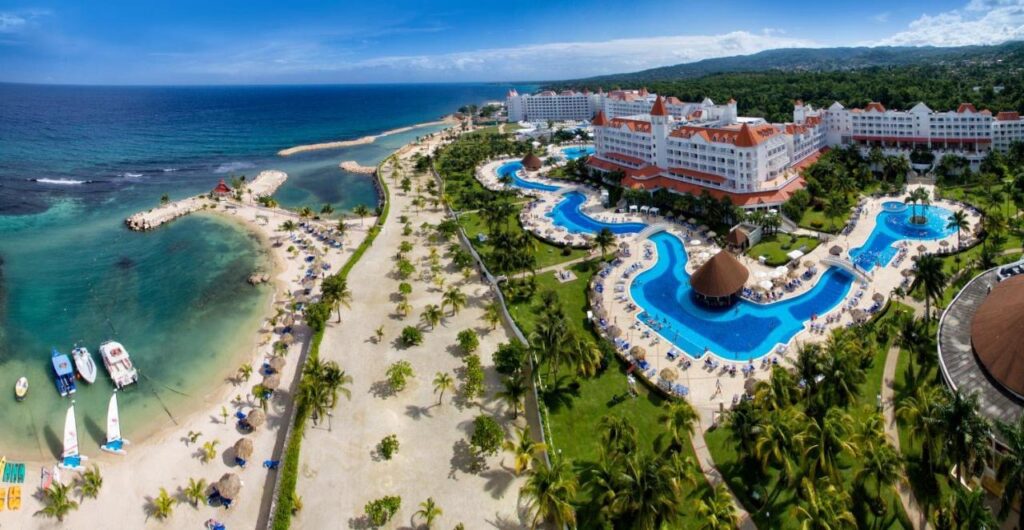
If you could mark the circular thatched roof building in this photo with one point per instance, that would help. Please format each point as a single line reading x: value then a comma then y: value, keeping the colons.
x: 997, y: 332
x: 531, y: 162
x: 719, y: 281
x: 737, y: 239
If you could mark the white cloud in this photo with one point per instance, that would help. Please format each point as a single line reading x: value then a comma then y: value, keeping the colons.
x: 10, y: 22
x: 978, y: 22
x: 882, y: 17
x: 558, y: 60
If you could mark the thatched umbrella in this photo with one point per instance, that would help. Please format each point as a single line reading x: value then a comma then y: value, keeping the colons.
x: 288, y: 321
x: 808, y: 263
x: 277, y: 363
x: 944, y: 243
x: 878, y: 297
x: 921, y: 248
x: 638, y: 352
x: 256, y: 418
x: 614, y: 332
x: 287, y: 338
x: 835, y: 250
x: 669, y: 374
x: 272, y: 381
x: 624, y: 246
x: 857, y: 314
x: 907, y: 273
x: 750, y: 385
x: 243, y: 449
x: 228, y: 486
x: 600, y: 312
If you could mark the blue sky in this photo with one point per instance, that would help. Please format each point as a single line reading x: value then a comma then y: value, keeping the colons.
x: 260, y: 41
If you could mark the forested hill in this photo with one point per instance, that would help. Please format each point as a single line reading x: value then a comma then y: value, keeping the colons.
x: 769, y: 93
x: 819, y: 59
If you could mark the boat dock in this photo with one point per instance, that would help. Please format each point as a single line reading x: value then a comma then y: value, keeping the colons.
x: 266, y: 183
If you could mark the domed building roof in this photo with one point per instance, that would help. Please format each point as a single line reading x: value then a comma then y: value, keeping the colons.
x: 997, y: 334
x: 531, y: 162
x: 721, y: 276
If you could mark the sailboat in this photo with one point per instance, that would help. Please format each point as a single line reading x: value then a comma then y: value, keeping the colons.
x: 71, y: 459
x: 115, y: 444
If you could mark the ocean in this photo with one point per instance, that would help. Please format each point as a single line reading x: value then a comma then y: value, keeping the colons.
x: 75, y: 161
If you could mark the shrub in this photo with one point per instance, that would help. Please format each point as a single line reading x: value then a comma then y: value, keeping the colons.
x: 509, y: 357
x: 317, y: 315
x: 381, y: 510
x: 473, y: 386
x: 412, y: 336
x: 399, y: 374
x: 388, y: 446
x: 468, y: 341
x: 487, y: 436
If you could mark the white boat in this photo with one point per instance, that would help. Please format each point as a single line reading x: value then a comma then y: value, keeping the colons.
x: 118, y: 364
x: 71, y: 458
x: 115, y: 444
x: 84, y: 364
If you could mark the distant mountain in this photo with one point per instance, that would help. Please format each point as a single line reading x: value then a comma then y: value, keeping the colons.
x: 814, y: 59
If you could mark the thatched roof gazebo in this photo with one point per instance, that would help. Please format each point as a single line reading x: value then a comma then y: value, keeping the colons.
x: 243, y: 451
x: 277, y: 364
x: 737, y: 239
x: 254, y: 419
x: 836, y: 250
x: 271, y: 382
x: 997, y: 331
x: 638, y: 352
x: 228, y: 486
x: 719, y: 282
x: 531, y: 162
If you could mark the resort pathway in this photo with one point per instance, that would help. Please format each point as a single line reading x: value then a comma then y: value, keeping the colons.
x: 714, y: 477
x: 341, y: 470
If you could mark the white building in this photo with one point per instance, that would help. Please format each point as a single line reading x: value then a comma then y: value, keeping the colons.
x: 570, y: 105
x: 551, y: 106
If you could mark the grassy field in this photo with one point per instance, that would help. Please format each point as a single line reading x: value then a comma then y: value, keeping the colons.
x: 775, y: 247
x: 546, y: 253
x: 816, y: 220
x: 780, y: 513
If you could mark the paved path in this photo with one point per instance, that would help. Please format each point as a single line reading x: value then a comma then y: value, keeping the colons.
x: 910, y: 505
x: 714, y: 477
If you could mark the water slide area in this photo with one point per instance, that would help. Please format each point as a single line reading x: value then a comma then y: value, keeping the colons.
x: 747, y: 330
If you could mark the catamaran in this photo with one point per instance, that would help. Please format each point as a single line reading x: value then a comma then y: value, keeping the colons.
x: 65, y: 374
x: 84, y: 363
x: 71, y: 458
x: 115, y: 444
x: 120, y: 366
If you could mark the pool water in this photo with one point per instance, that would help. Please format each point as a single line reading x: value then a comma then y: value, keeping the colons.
x: 745, y: 331
x: 511, y: 169
x: 572, y: 153
x: 893, y: 224
x: 567, y: 214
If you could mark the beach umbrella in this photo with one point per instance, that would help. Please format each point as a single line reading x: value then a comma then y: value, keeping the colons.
x: 599, y: 312
x: 271, y: 382
x: 907, y: 273
x: 808, y: 263
x: 921, y: 248
x: 794, y: 272
x: 256, y: 418
x: 638, y: 352
x: 243, y: 448
x: 624, y: 245
x: 669, y: 374
x: 228, y: 486
x: 614, y: 332
x: 765, y: 284
x: 702, y: 228
x: 750, y: 385
x: 835, y: 250
x: 692, y: 221
x: 878, y: 297
x: 288, y: 321
x: 695, y: 242
x: 287, y: 338
x: 712, y: 234
x: 944, y: 243
x: 857, y: 314
x: 277, y: 363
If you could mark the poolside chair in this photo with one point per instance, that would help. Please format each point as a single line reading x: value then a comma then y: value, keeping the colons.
x: 271, y: 464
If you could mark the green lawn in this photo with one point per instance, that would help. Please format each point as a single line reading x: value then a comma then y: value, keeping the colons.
x: 775, y: 247
x: 816, y: 220
x: 546, y: 253
x: 780, y: 514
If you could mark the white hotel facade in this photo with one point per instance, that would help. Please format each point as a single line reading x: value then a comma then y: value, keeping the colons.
x: 703, y: 147
x: 579, y: 106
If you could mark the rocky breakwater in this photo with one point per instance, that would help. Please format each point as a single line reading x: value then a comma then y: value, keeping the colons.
x: 354, y: 167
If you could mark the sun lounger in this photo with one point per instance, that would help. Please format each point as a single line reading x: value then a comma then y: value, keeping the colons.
x: 271, y: 464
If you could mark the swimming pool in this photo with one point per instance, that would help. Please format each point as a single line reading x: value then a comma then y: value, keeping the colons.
x: 567, y: 214
x: 572, y: 153
x: 893, y: 224
x: 741, y: 332
x: 511, y: 169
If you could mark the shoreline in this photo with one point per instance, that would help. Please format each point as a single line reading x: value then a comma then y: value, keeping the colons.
x: 369, y: 139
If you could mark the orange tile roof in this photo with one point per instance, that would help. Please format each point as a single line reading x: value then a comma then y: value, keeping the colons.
x: 672, y: 100
x: 599, y: 119
x: 1007, y: 115
x: 659, y: 107
x: 625, y: 158
x: 813, y: 121
x: 744, y: 136
x: 966, y: 107
x: 874, y: 105
x: 633, y: 125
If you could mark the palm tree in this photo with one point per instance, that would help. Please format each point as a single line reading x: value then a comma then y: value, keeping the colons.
x: 288, y: 226
x: 524, y: 450
x: 245, y: 372
x: 431, y: 315
x: 195, y: 492
x: 965, y: 433
x: 928, y: 271
x: 965, y: 509
x: 618, y: 434
x: 335, y: 292
x: 651, y: 491
x: 361, y: 211
x: 881, y: 463
x: 604, y: 239
x: 825, y: 439
x: 921, y: 409
x: 378, y: 334
x: 492, y: 314
x: 778, y: 444
x: 550, y: 492
x: 1011, y: 468
x: 958, y: 220
x: 679, y: 420
x: 91, y: 482
x: 428, y: 512
x: 513, y: 393
x: 162, y: 505
x: 443, y: 382
x: 403, y: 308
x: 209, y: 451
x: 326, y: 209
x: 716, y: 510
x: 455, y: 298
x: 305, y: 212
x: 824, y: 508
x: 58, y: 501
x: 835, y: 207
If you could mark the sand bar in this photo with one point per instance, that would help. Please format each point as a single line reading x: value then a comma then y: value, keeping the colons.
x: 358, y: 141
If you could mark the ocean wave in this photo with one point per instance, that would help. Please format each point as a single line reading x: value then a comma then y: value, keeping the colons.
x: 130, y: 175
x: 170, y: 169
x: 61, y: 182
x: 233, y: 166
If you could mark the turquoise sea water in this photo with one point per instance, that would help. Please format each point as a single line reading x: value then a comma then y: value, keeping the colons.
x: 75, y: 161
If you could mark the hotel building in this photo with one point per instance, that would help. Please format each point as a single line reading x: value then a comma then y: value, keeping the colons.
x: 570, y: 105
